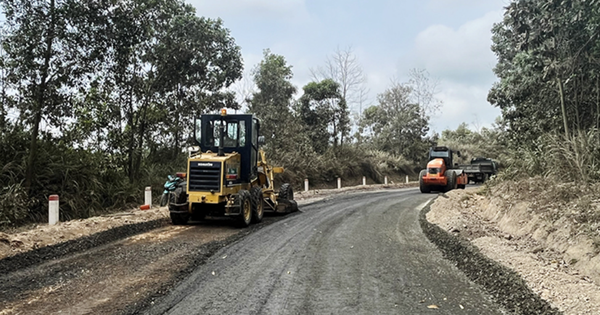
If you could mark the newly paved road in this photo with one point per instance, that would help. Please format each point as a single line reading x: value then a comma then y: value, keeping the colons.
x: 352, y: 254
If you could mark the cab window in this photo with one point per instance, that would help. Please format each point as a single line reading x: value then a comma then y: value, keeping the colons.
x: 234, y: 134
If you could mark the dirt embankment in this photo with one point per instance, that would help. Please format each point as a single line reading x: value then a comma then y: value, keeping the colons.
x: 547, y: 235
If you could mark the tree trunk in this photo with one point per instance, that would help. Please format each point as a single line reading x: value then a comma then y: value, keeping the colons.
x: 598, y: 107
x: 176, y: 123
x: 40, y: 100
x: 131, y: 123
x: 562, y: 106
x: 140, y: 144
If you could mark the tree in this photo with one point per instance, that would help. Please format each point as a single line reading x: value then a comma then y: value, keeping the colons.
x: 548, y: 67
x: 423, y: 90
x: 272, y: 103
x: 344, y: 68
x: 165, y: 66
x: 325, y: 114
x: 396, y: 124
x: 198, y: 60
x: 46, y: 57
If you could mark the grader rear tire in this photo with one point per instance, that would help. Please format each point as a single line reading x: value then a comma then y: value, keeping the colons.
x: 245, y: 203
x: 257, y: 204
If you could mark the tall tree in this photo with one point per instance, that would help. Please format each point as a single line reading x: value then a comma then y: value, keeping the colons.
x: 423, y: 91
x: 325, y: 114
x: 46, y: 57
x: 396, y: 124
x: 164, y: 66
x: 344, y: 68
x: 548, y: 68
x: 272, y: 103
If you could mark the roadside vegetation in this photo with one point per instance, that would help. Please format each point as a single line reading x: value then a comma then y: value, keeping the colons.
x: 98, y: 99
x: 549, y: 93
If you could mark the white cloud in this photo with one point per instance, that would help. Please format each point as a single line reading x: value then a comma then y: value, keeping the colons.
x: 462, y: 53
x: 462, y: 60
x: 464, y: 103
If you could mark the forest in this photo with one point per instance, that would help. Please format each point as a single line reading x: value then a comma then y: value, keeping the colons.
x: 97, y: 100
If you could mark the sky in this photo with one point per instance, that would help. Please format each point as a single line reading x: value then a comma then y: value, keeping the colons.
x: 450, y: 39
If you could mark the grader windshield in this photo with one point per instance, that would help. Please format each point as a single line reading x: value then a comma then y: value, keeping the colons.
x: 210, y: 136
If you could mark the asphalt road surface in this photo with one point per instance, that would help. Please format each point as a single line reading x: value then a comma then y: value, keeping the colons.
x: 352, y: 254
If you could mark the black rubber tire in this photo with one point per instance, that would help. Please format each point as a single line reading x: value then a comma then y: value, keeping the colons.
x: 286, y: 192
x: 257, y: 204
x: 179, y: 218
x: 424, y: 188
x: 178, y: 196
x: 485, y: 178
x: 164, y: 198
x: 245, y: 202
x: 451, y: 182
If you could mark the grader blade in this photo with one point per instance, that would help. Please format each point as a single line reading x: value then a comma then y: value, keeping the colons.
x: 286, y: 206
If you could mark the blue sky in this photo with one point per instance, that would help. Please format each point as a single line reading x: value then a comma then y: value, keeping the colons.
x: 449, y: 38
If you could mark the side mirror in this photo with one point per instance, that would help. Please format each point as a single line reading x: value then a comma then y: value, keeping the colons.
x: 261, y: 140
x: 192, y: 150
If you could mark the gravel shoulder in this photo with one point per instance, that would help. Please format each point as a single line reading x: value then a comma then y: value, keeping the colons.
x: 553, y: 263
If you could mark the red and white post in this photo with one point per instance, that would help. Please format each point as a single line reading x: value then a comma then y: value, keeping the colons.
x: 53, y: 210
x: 148, y: 197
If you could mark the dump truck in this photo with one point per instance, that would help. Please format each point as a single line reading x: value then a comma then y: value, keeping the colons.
x: 480, y: 169
x: 441, y: 173
x: 228, y: 174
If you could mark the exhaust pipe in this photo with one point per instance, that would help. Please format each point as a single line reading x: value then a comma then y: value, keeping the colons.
x: 221, y: 139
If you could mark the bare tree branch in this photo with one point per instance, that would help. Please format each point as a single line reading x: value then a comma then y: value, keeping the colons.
x: 344, y: 68
x: 424, y: 90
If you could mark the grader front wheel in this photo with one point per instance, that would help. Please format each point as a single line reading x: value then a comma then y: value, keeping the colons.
x: 286, y: 192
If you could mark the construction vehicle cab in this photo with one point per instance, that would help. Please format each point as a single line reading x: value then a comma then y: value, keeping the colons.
x: 441, y: 173
x: 228, y: 175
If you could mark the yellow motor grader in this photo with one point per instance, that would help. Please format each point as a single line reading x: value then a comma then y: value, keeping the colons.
x: 228, y: 175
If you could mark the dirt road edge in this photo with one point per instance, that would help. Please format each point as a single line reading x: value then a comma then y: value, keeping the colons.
x: 39, y: 255
x: 505, y: 285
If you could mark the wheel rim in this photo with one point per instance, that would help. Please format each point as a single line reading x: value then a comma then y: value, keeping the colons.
x: 247, y: 210
x: 259, y: 209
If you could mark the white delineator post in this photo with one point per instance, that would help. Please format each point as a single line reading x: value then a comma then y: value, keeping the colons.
x: 148, y: 196
x: 53, y: 215
x: 364, y: 181
x: 339, y: 183
x: 407, y: 179
x: 385, y: 180
x: 306, y: 184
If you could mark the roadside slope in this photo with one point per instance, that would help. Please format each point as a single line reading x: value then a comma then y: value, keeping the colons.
x: 551, y: 253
